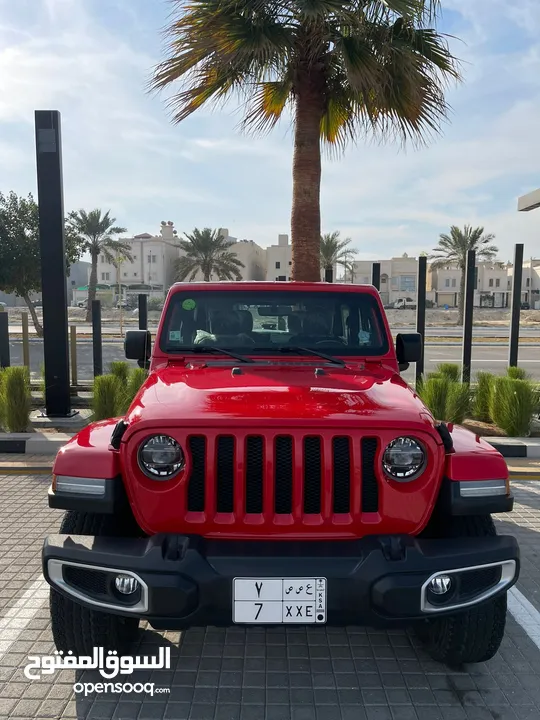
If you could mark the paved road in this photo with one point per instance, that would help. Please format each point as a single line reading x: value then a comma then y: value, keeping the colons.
x: 492, y: 359
x: 432, y: 331
x: 279, y: 674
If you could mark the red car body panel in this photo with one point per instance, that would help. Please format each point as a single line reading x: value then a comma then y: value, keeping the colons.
x: 186, y: 396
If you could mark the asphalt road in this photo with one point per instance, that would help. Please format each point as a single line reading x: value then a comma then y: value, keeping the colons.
x: 431, y: 331
x: 491, y: 359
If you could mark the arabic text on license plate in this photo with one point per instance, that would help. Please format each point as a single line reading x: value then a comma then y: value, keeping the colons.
x: 279, y: 600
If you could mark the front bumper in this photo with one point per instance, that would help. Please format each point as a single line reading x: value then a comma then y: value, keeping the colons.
x: 187, y: 581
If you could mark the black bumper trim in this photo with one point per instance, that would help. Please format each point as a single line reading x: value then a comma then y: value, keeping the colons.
x: 190, y: 579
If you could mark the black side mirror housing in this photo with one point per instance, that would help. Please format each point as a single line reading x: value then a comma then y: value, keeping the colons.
x: 408, y: 349
x: 138, y: 346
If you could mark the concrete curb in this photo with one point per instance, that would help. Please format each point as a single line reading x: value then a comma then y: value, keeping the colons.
x: 49, y: 443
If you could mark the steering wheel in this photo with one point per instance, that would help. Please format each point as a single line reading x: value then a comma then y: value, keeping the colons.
x: 331, y: 343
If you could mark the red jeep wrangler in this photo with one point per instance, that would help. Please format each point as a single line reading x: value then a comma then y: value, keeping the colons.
x: 275, y: 468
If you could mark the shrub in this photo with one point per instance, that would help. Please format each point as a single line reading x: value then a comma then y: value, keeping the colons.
x: 15, y: 399
x: 482, y: 395
x: 107, y: 397
x: 433, y: 391
x: 120, y: 369
x: 136, y: 378
x: 154, y: 303
x: 516, y: 373
x: 449, y: 370
x: 513, y: 404
x: 446, y: 399
x: 458, y: 402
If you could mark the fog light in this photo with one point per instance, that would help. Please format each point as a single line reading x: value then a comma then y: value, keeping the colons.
x: 126, y: 584
x: 440, y: 585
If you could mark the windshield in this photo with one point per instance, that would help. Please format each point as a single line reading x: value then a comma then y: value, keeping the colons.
x: 252, y: 321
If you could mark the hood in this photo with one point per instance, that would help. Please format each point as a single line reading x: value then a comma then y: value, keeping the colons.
x: 279, y: 394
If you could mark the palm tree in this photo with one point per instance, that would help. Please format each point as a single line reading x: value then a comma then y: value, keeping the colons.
x: 335, y: 252
x: 95, y: 232
x: 341, y: 68
x: 453, y: 249
x: 207, y: 251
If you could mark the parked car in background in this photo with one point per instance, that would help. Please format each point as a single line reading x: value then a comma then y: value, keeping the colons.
x: 406, y: 303
x: 525, y: 306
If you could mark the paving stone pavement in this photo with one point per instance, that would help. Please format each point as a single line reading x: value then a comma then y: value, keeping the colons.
x: 256, y: 674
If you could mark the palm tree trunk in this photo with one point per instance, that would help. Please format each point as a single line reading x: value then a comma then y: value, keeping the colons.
x: 33, y: 313
x: 306, y: 210
x: 92, y: 287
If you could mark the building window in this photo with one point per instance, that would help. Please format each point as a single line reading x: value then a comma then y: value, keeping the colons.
x: 528, y: 283
x: 453, y: 282
x: 497, y: 283
x: 281, y: 277
x: 125, y: 274
x: 278, y: 265
x: 490, y: 282
x: 105, y: 276
x: 153, y: 258
x: 134, y: 257
x: 134, y: 274
x: 447, y: 282
x: 407, y: 283
x: 290, y: 262
x: 102, y: 259
x: 509, y: 284
x: 149, y: 259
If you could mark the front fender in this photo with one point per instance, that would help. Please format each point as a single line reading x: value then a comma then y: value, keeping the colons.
x: 89, y: 453
x: 473, y: 458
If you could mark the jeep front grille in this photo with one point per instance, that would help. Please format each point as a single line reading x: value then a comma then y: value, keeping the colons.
x: 309, y: 477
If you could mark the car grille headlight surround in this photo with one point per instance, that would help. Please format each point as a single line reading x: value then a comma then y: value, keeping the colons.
x: 161, y: 457
x: 404, y: 459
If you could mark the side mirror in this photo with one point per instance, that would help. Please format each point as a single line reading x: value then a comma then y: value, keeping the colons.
x: 408, y: 349
x: 138, y: 345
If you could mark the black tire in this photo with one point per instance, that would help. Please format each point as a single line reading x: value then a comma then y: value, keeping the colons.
x: 78, y: 628
x: 475, y: 635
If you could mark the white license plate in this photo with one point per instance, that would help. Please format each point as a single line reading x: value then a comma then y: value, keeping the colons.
x: 279, y: 600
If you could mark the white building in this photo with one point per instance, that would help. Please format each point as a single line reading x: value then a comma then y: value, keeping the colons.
x: 530, y: 283
x: 279, y: 259
x: 399, y: 277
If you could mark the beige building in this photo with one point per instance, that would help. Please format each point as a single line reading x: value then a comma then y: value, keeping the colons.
x: 399, y: 277
x: 492, y: 285
x: 279, y: 259
x: 530, y: 284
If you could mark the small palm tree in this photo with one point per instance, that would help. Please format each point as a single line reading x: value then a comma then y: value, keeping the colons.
x: 341, y: 69
x: 453, y: 249
x: 95, y: 233
x: 208, y: 252
x: 335, y: 252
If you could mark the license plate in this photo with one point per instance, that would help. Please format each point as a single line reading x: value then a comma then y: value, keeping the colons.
x: 279, y: 600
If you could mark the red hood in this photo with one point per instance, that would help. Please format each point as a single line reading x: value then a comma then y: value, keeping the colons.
x: 281, y: 394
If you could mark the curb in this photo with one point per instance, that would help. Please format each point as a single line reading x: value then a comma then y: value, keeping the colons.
x: 516, y: 447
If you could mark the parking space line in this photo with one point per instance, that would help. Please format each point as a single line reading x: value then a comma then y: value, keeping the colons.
x: 525, y: 614
x: 19, y: 616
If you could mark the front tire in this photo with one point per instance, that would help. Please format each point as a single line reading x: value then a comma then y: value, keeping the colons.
x: 474, y: 635
x: 78, y: 628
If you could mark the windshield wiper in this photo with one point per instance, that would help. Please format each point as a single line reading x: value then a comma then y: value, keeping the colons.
x: 213, y: 349
x: 309, y: 351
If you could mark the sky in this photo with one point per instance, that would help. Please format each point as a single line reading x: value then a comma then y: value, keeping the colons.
x: 92, y: 59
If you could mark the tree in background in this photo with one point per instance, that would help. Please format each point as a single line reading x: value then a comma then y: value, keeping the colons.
x: 20, y: 254
x: 95, y: 232
x: 340, y: 69
x: 335, y: 252
x: 208, y: 252
x: 453, y: 249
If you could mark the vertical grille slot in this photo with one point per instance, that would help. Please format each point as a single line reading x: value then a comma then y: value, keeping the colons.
x: 196, y: 485
x: 254, y: 474
x: 283, y: 475
x: 341, y: 453
x: 312, y: 475
x: 225, y: 474
x: 370, y: 488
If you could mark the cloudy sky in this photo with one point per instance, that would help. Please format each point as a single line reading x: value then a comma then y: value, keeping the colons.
x: 91, y: 60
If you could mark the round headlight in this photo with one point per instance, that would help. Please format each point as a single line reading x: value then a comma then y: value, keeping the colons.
x: 404, y: 459
x: 161, y: 457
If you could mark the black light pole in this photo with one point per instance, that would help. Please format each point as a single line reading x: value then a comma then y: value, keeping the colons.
x: 421, y: 311
x: 97, y: 341
x: 329, y: 274
x: 53, y: 262
x: 468, y: 316
x: 516, y: 305
x: 376, y: 275
x: 4, y: 340
x: 143, y: 311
